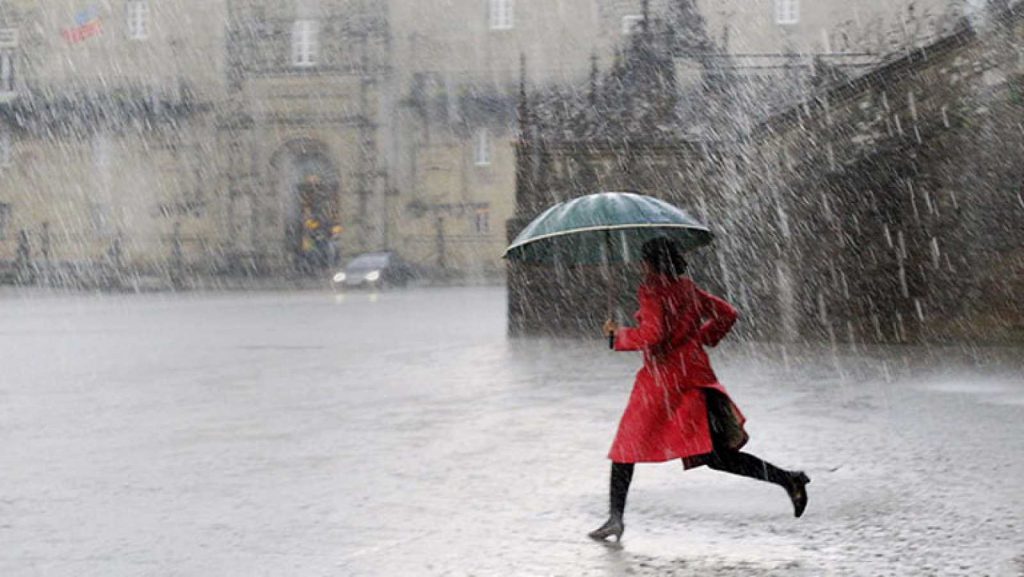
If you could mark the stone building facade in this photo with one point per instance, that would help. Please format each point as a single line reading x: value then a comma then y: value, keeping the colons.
x: 301, y: 129
x: 107, y: 130
x: 195, y: 138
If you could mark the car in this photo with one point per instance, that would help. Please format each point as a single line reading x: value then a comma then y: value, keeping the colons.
x: 374, y: 270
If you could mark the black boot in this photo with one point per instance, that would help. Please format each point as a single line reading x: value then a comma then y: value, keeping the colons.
x: 622, y: 475
x: 613, y: 526
x: 797, y: 490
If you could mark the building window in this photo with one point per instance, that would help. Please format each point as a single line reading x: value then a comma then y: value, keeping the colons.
x: 305, y: 42
x: 6, y: 71
x: 502, y: 14
x: 101, y: 151
x: 482, y: 221
x: 5, y: 219
x: 632, y: 23
x: 102, y: 219
x: 137, y: 16
x: 787, y: 11
x: 5, y: 147
x: 482, y: 147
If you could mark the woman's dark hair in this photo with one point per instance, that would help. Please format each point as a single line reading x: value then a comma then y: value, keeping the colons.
x: 664, y: 256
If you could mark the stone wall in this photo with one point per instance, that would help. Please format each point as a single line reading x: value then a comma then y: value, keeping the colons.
x: 897, y: 197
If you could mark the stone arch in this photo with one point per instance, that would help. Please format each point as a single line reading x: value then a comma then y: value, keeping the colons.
x: 308, y: 186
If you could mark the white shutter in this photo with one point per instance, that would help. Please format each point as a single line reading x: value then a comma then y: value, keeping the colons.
x: 297, y: 43
x: 313, y: 42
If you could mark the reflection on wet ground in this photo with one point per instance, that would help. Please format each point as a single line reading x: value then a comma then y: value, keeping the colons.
x: 404, y: 434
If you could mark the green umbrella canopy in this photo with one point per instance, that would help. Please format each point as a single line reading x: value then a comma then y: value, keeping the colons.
x: 585, y: 230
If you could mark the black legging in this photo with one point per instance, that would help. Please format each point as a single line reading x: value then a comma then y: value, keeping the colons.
x: 622, y: 475
x: 720, y: 459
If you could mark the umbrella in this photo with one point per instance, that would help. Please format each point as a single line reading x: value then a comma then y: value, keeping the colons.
x: 604, y: 228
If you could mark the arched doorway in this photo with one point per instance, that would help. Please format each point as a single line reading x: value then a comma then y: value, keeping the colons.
x: 309, y: 187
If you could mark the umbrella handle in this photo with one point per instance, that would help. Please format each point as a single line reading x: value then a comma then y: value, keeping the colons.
x: 608, y: 284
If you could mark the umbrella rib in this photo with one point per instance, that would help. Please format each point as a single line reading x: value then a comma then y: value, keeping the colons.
x: 601, y: 228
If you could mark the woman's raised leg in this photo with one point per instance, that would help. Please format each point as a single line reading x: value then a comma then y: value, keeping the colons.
x: 747, y: 465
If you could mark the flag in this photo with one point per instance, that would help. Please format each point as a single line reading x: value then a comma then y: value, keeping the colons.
x: 87, y: 25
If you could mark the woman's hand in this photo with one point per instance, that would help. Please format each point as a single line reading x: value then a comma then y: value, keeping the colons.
x: 610, y: 327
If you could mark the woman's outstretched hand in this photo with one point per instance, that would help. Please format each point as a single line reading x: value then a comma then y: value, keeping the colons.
x: 610, y: 327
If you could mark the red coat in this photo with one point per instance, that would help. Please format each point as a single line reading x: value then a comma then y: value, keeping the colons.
x: 667, y: 415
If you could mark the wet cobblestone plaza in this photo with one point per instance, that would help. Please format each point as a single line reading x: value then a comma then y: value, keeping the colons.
x: 404, y: 434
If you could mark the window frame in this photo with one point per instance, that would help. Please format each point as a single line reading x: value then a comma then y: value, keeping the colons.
x: 6, y: 148
x: 482, y: 221
x: 787, y: 12
x: 101, y: 219
x: 7, y: 71
x: 482, y: 147
x: 631, y: 23
x: 305, y: 43
x: 5, y: 218
x: 101, y: 150
x: 501, y: 14
x: 137, y: 13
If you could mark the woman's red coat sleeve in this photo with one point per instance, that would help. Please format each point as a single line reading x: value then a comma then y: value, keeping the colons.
x: 721, y: 316
x: 650, y: 328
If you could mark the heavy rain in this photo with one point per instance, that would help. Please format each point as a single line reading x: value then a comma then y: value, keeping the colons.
x: 329, y: 287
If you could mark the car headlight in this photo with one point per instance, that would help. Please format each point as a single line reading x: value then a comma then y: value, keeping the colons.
x: 340, y: 277
x: 373, y: 276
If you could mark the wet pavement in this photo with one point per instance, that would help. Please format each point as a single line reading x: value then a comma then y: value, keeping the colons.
x: 405, y: 434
